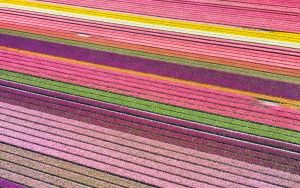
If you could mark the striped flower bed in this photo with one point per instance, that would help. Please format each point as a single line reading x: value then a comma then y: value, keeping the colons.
x: 191, y: 93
